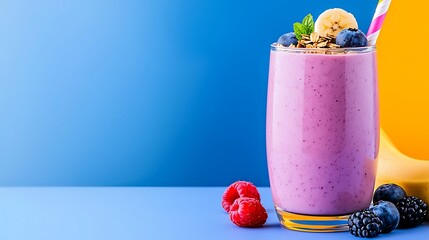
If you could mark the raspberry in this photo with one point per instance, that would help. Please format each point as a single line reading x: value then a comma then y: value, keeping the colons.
x: 247, y: 212
x: 237, y: 190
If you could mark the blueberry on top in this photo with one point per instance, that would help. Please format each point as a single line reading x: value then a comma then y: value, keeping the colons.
x: 389, y: 192
x: 351, y: 37
x: 287, y: 39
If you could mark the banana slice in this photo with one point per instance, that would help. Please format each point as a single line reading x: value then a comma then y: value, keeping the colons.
x: 333, y: 21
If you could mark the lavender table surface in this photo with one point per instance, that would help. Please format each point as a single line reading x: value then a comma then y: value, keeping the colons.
x: 142, y: 213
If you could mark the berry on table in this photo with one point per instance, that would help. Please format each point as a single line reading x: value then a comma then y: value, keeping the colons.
x: 412, y: 210
x: 237, y: 190
x: 389, y: 192
x: 388, y: 214
x: 247, y: 212
x: 364, y: 224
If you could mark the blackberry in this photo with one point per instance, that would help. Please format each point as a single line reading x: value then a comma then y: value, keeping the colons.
x: 412, y: 210
x: 364, y: 224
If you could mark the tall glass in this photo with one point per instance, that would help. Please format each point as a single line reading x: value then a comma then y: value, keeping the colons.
x: 322, y: 135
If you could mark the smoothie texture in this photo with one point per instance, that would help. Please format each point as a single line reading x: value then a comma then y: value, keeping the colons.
x: 322, y: 130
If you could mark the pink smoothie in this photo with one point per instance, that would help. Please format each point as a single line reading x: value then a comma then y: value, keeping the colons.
x: 322, y: 131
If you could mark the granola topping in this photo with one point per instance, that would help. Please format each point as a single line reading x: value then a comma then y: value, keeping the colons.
x: 314, y: 40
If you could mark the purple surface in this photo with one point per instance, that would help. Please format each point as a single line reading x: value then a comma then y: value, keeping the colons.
x: 141, y: 213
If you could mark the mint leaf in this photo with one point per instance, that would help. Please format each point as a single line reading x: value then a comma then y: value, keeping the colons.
x: 308, y: 22
x: 299, y: 29
x: 306, y: 27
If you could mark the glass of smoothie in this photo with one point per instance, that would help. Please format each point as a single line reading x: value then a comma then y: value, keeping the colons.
x: 322, y: 134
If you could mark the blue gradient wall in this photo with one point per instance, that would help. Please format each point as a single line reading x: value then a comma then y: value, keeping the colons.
x: 163, y: 92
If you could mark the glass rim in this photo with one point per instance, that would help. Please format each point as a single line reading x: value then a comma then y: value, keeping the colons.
x: 281, y: 48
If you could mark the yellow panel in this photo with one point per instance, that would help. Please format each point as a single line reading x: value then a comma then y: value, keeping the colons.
x: 403, y: 59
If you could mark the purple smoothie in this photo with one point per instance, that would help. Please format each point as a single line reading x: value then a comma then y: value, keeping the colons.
x: 322, y: 131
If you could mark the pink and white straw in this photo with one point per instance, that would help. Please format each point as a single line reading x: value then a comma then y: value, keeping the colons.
x: 377, y: 21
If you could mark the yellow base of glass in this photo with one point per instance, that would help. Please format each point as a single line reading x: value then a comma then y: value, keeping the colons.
x: 309, y: 223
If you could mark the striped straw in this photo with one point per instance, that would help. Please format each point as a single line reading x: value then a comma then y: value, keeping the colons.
x: 377, y: 21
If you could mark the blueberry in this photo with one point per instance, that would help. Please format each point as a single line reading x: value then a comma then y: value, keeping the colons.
x: 351, y: 37
x: 389, y: 192
x: 388, y: 214
x: 287, y: 39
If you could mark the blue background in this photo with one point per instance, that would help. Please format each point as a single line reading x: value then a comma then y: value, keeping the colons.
x: 165, y: 92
